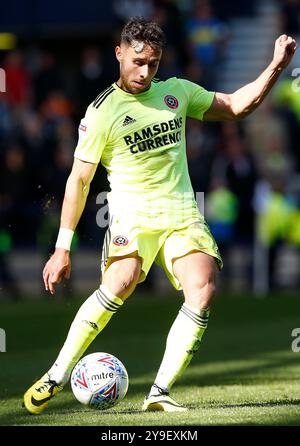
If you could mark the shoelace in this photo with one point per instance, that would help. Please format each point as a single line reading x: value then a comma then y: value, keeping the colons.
x: 45, y: 386
x: 160, y: 390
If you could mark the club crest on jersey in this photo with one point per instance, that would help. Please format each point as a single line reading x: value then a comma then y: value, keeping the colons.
x: 171, y: 101
x: 120, y: 240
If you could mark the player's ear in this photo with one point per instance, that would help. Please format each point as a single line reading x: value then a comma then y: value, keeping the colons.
x: 118, y: 51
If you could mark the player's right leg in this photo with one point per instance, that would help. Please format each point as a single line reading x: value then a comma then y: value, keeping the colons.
x: 189, y: 258
x: 118, y: 282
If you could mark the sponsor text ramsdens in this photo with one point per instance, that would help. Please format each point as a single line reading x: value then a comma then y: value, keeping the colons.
x: 159, y: 135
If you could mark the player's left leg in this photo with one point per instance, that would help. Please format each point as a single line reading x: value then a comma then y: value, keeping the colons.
x: 118, y: 283
x: 196, y: 273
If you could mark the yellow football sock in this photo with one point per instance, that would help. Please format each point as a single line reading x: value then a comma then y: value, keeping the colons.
x: 91, y: 318
x: 183, y: 341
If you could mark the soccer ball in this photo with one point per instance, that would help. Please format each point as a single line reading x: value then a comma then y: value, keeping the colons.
x: 99, y: 380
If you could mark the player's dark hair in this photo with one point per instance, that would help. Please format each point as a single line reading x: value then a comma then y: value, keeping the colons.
x: 143, y: 30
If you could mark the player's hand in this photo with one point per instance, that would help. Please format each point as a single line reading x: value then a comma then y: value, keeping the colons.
x: 57, y: 268
x: 285, y: 48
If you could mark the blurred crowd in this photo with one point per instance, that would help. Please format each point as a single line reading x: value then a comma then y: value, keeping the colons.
x: 249, y: 170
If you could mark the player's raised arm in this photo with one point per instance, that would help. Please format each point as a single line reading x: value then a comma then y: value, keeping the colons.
x: 243, y: 101
x: 77, y: 189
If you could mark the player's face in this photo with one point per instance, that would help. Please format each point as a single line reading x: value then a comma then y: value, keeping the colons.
x: 138, y: 66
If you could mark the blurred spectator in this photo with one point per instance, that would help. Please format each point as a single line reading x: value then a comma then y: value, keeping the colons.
x: 18, y: 81
x: 124, y: 9
x: 278, y: 224
x: 167, y: 14
x: 221, y: 212
x: 285, y: 95
x: 169, y: 65
x: 6, y: 122
x: 241, y: 177
x: 231, y: 8
x: 14, y: 192
x: 8, y: 283
x: 235, y: 166
x: 56, y: 106
x: 269, y: 142
x: 286, y: 98
x: 200, y: 144
x: 206, y: 35
x: 48, y: 77
x: 194, y: 73
x: 67, y: 139
x: 31, y: 137
x: 290, y: 17
x: 56, y: 175
x: 91, y: 78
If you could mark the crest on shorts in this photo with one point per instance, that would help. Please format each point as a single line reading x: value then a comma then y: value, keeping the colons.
x: 171, y: 101
x: 120, y: 240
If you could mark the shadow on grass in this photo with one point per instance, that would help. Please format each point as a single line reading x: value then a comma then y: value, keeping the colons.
x: 65, y: 411
x: 234, y: 375
x: 240, y: 376
x: 277, y: 403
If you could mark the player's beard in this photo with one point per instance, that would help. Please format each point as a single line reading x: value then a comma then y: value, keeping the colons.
x: 133, y: 87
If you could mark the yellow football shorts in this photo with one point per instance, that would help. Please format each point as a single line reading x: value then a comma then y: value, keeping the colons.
x: 159, y: 246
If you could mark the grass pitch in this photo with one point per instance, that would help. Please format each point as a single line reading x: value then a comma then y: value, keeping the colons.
x: 245, y: 372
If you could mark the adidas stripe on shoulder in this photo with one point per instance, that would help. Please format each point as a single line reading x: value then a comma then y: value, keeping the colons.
x: 102, y: 96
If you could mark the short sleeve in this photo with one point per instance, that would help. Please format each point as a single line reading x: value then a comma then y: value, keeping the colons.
x: 91, y: 137
x: 199, y: 99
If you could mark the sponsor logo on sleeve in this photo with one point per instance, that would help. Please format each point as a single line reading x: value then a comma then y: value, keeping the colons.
x: 82, y: 127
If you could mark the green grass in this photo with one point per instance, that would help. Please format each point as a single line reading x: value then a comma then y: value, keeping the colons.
x: 244, y: 373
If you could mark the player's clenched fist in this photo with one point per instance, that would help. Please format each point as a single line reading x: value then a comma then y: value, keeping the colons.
x: 285, y: 47
x: 57, y: 268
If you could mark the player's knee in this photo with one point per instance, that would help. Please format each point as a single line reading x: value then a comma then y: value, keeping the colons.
x: 126, y: 285
x: 201, y: 293
x: 122, y: 281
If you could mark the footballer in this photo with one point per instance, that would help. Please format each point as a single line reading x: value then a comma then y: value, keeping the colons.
x: 136, y: 129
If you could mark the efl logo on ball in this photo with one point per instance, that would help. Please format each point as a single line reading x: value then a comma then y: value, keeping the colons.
x: 99, y: 380
x: 171, y: 101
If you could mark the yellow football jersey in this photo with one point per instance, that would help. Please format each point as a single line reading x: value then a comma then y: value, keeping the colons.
x: 140, y: 140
